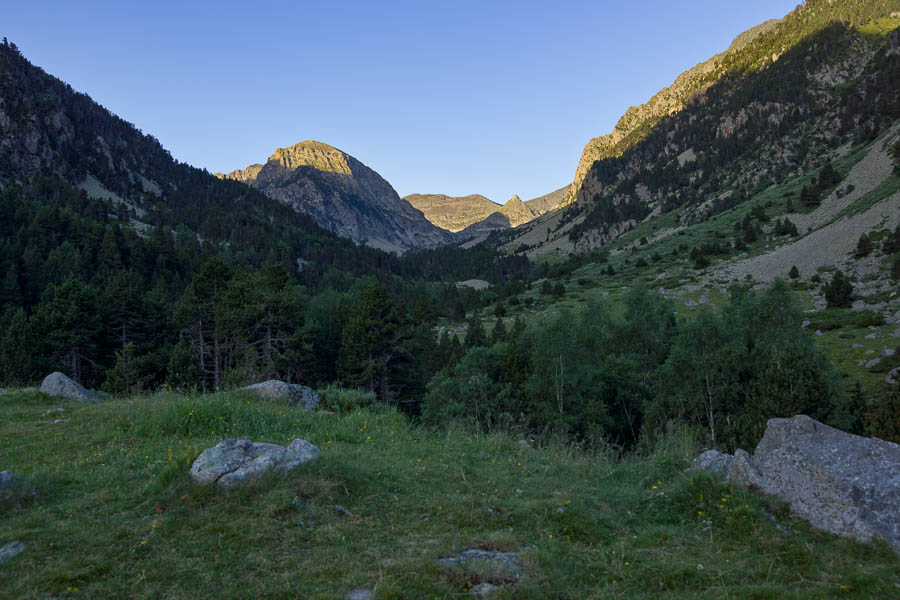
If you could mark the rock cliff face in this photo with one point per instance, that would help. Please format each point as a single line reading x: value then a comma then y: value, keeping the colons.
x: 638, y: 120
x: 478, y: 213
x: 342, y: 195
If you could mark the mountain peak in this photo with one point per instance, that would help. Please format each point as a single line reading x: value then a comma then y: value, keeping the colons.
x: 514, y: 201
x: 311, y: 153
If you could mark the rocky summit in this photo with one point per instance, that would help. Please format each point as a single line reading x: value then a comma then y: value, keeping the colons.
x: 342, y: 195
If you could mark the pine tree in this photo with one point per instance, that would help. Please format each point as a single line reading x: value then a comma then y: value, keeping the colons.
x: 67, y: 321
x: 371, y: 342
x: 839, y: 291
x: 498, y: 334
x: 475, y: 335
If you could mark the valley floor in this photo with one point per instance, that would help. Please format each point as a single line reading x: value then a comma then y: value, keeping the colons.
x: 106, y: 509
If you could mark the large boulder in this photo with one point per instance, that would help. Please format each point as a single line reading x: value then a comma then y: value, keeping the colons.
x: 298, y: 394
x: 232, y: 462
x: 839, y: 482
x: 57, y: 384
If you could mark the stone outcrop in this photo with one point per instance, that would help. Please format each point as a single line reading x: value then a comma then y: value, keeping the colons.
x: 342, y: 195
x: 58, y: 385
x: 839, y: 482
x: 233, y: 462
x: 298, y: 394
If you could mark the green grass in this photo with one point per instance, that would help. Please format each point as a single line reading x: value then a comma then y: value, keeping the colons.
x: 107, y: 510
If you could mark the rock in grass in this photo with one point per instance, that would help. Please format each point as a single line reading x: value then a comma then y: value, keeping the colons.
x: 232, y: 462
x: 298, y: 394
x: 10, y: 551
x: 714, y: 462
x: 839, y: 482
x: 482, y: 590
x: 361, y: 595
x: 7, y: 479
x: 493, y: 564
x: 57, y: 384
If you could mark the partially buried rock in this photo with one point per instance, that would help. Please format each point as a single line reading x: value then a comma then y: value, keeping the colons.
x: 10, y: 551
x: 298, y: 394
x: 237, y: 462
x: 57, y: 384
x: 839, y: 482
x: 492, y: 565
x: 7, y: 479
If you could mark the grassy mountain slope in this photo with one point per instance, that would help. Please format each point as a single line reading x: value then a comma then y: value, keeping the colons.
x: 107, y: 510
x: 457, y: 213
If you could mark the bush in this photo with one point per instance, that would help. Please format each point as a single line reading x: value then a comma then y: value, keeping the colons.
x: 838, y: 292
x: 340, y: 399
x: 794, y: 272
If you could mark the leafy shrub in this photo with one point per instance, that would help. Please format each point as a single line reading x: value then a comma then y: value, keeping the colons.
x: 339, y: 399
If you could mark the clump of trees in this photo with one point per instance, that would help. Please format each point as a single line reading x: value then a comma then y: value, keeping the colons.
x: 607, y: 380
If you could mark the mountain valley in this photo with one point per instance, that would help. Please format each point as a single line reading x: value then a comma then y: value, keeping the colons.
x: 528, y: 384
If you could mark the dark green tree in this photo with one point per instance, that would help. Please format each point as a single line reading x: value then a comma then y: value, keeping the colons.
x: 67, y: 322
x: 839, y: 291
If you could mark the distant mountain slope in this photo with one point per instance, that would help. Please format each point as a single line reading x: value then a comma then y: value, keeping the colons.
x: 782, y: 101
x: 51, y: 135
x: 342, y: 195
x: 461, y: 212
x: 638, y: 120
x: 453, y: 213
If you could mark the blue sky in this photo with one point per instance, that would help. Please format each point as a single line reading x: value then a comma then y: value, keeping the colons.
x: 495, y: 98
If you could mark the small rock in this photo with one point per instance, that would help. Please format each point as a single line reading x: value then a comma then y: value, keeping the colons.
x: 858, y: 305
x: 888, y: 352
x: 7, y: 479
x: 703, y: 300
x: 893, y: 376
x: 58, y: 421
x: 364, y: 594
x: 871, y: 336
x: 504, y: 565
x: 713, y: 461
x: 805, y: 324
x: 858, y: 346
x: 54, y: 411
x: 483, y: 589
x: 821, y: 305
x: 11, y: 550
x: 690, y: 302
x: 298, y: 394
x: 57, y: 384
x: 743, y: 470
x: 873, y: 363
x: 818, y: 332
x: 232, y: 462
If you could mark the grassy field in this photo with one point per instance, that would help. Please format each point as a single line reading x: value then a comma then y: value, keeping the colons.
x: 107, y: 510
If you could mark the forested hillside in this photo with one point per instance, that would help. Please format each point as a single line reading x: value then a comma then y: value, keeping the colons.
x: 132, y: 271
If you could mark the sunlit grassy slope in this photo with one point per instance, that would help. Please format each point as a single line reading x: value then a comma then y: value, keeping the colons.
x: 107, y: 510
